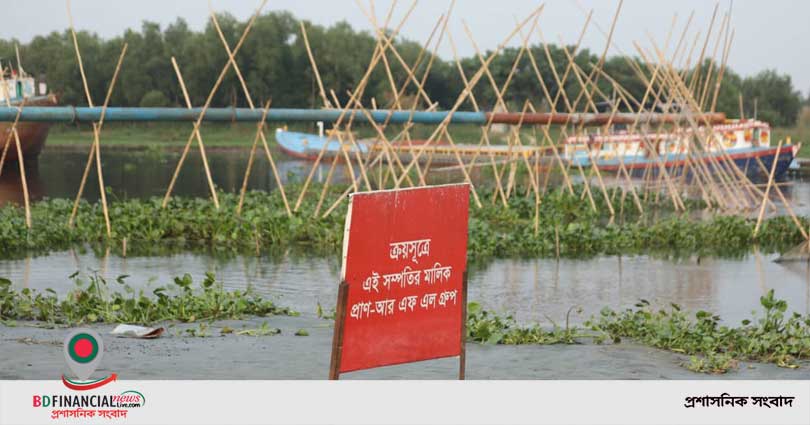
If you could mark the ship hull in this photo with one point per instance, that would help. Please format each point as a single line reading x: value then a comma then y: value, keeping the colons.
x: 32, y: 134
x: 756, y: 163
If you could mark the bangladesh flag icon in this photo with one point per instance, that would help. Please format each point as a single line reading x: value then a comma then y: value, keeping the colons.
x: 83, y: 351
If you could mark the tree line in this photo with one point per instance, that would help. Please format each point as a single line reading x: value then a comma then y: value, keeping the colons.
x: 275, y: 64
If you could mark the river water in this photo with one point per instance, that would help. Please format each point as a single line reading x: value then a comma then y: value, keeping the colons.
x: 536, y: 290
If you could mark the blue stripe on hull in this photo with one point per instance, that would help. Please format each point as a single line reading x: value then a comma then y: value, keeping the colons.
x: 748, y: 165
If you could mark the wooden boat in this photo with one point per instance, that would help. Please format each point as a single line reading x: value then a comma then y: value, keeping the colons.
x: 746, y: 142
x: 23, y: 90
x: 309, y: 146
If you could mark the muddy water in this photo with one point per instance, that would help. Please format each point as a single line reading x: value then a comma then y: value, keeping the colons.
x: 142, y: 174
x: 533, y: 290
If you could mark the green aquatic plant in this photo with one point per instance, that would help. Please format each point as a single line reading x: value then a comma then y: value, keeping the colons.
x: 566, y: 224
x: 263, y: 330
x: 712, y: 347
x: 490, y: 328
x: 776, y: 337
x: 93, y: 301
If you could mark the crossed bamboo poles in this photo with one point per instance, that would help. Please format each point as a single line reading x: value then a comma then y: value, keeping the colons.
x: 668, y: 77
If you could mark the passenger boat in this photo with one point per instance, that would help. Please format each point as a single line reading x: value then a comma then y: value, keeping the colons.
x: 22, y: 89
x: 746, y: 142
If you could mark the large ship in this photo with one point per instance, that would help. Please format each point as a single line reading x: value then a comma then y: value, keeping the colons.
x: 21, y: 89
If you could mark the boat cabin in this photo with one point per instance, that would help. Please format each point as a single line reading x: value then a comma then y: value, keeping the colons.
x: 19, y: 85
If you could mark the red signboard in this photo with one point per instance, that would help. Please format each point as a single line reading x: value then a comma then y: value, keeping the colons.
x: 402, y: 298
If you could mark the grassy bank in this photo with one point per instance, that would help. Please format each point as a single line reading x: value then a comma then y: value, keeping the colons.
x: 238, y: 135
x: 133, y: 135
x: 566, y: 225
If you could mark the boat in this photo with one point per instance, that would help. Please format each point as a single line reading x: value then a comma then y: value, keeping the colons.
x: 22, y: 89
x: 746, y: 142
x: 309, y: 146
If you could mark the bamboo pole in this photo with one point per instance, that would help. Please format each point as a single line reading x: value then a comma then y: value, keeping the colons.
x: 500, y: 101
x: 462, y: 97
x: 358, y: 92
x: 485, y: 129
x: 197, y: 135
x: 312, y: 62
x: 243, y: 190
x: 96, y: 146
x: 249, y: 98
x: 211, y: 94
x: 768, y: 189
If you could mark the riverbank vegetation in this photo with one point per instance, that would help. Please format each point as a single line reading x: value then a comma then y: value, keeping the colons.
x: 94, y: 300
x: 566, y: 225
x: 712, y: 346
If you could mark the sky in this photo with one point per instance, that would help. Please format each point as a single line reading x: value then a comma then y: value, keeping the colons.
x: 773, y: 34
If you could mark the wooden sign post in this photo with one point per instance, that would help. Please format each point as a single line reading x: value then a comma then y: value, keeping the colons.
x: 403, y: 291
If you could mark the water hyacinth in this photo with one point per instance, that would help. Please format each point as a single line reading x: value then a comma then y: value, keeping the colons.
x: 566, y: 224
x: 94, y: 301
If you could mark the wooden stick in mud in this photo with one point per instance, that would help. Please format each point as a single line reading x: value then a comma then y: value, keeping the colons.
x: 768, y: 189
x: 248, y: 97
x: 198, y: 136
x: 211, y: 94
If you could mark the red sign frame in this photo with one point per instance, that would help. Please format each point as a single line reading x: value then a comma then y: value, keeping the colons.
x: 402, y: 296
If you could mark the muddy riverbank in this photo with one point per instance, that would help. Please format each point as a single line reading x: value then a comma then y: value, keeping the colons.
x: 36, y: 353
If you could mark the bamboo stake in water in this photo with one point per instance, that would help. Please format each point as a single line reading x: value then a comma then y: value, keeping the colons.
x: 210, y: 98
x: 768, y: 188
x: 198, y: 136
x: 358, y: 92
x: 248, y: 97
x: 96, y: 145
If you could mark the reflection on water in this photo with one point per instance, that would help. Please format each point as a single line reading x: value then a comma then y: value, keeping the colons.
x: 534, y: 290
x: 141, y: 174
x: 11, y: 183
x: 137, y: 174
